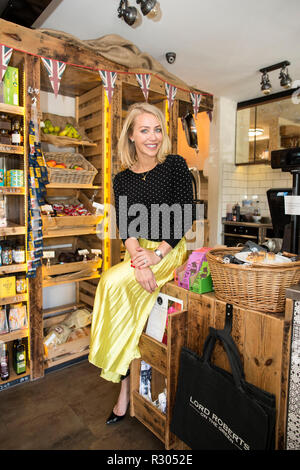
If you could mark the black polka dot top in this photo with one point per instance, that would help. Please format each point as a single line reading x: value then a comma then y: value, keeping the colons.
x: 159, y: 207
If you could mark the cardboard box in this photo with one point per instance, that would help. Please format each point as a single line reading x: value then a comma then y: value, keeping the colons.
x: 7, y: 286
x: 9, y: 87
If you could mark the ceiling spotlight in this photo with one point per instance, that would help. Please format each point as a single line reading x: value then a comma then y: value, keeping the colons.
x: 129, y: 14
x: 147, y: 6
x: 265, y: 83
x: 285, y: 79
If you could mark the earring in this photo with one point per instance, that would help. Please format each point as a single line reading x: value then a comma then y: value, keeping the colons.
x: 132, y: 141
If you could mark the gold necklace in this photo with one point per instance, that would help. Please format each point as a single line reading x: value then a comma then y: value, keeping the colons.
x: 145, y: 174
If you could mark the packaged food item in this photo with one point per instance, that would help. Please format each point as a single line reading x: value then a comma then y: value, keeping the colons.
x: 7, y: 253
x: 145, y: 380
x: 11, y: 86
x: 15, y: 178
x: 57, y: 334
x: 7, y: 286
x: 1, y: 177
x: 78, y: 319
x: 19, y: 254
x: 3, y: 320
x: 21, y: 284
x: 17, y: 318
x: 3, y: 221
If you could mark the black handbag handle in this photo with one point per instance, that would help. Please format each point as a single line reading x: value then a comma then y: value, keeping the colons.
x: 231, y: 351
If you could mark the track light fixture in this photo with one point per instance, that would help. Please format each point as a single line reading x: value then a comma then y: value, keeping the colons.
x: 285, y: 79
x: 131, y: 14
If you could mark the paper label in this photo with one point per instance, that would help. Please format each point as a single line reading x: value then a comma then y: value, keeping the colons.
x: 158, y: 316
x: 48, y: 254
x: 292, y: 205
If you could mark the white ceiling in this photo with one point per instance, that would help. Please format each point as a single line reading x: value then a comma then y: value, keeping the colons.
x: 220, y: 44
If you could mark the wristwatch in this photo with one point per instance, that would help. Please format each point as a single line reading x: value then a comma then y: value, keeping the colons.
x: 158, y: 253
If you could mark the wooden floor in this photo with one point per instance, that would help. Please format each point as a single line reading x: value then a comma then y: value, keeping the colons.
x: 66, y: 410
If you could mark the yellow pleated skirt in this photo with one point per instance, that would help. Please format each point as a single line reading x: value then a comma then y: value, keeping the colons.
x: 121, y: 309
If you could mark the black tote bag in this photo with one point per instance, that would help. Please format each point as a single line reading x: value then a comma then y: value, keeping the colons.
x: 216, y: 410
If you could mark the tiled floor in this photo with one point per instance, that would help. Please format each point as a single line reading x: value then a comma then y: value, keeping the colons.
x: 67, y: 410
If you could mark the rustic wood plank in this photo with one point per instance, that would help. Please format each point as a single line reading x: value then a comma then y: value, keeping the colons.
x: 149, y: 415
x: 154, y: 353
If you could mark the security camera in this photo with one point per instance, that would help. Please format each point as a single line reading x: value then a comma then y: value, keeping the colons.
x: 171, y: 57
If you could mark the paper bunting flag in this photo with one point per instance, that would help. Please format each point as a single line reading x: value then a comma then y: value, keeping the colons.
x: 209, y: 113
x: 6, y: 53
x: 144, y: 82
x: 196, y: 99
x: 55, y: 71
x: 171, y: 91
x: 109, y: 80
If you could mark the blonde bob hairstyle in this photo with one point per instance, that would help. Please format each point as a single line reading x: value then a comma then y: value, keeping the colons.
x: 126, y: 148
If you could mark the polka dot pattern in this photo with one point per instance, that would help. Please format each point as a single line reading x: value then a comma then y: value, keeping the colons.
x: 159, y: 208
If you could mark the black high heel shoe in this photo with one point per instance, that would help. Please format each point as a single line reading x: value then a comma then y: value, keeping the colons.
x: 113, y: 418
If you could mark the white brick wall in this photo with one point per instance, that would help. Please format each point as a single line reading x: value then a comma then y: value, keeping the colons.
x: 251, y: 180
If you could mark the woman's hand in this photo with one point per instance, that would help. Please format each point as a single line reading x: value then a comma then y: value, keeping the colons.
x: 146, y: 279
x: 144, y: 258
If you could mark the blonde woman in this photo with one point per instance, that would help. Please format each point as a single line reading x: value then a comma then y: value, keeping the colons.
x: 150, y: 195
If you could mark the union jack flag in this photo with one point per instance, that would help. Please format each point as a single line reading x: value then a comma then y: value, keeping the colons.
x: 171, y: 91
x: 144, y: 82
x: 55, y: 71
x: 5, y: 56
x: 109, y: 80
x: 196, y: 99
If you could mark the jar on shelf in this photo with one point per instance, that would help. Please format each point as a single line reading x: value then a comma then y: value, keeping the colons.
x: 5, y: 122
x: 19, y: 254
x: 5, y: 137
x: 21, y: 284
x: 7, y: 254
x: 16, y: 133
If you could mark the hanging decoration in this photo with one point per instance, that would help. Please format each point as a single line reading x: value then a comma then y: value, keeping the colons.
x: 144, y: 80
x: 209, y: 113
x: 196, y: 100
x: 37, y: 179
x: 171, y: 91
x: 55, y: 71
x: 5, y: 56
x: 109, y: 80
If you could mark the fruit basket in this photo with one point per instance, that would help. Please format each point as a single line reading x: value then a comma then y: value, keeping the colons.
x: 62, y: 131
x: 257, y: 287
x: 66, y: 171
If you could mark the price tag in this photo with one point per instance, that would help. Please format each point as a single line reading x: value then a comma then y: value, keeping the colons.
x: 98, y: 207
x: 292, y: 205
x: 48, y: 254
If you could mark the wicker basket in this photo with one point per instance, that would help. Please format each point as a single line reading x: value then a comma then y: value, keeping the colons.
x: 68, y: 176
x: 260, y: 287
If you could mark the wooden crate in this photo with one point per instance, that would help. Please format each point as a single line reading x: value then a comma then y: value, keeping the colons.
x: 262, y: 340
x: 69, y: 350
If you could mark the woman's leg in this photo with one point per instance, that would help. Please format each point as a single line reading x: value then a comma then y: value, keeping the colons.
x: 123, y: 399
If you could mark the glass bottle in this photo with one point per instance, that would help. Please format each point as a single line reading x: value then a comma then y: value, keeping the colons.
x: 16, y: 133
x: 4, y: 362
x: 19, y: 357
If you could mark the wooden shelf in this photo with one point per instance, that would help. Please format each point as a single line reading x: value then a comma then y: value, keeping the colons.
x: 72, y: 231
x: 15, y: 379
x: 12, y: 109
x: 71, y: 186
x: 13, y: 268
x: 14, y: 149
x: 58, y: 280
x: 11, y: 336
x: 12, y: 229
x: 66, y: 142
x: 15, y: 299
x: 12, y: 190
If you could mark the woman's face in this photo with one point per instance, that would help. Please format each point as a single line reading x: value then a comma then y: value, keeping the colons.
x: 147, y: 135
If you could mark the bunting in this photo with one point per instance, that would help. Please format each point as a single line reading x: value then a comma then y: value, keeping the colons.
x: 55, y: 71
x: 144, y: 82
x: 5, y: 56
x: 171, y: 91
x: 109, y: 80
x: 196, y: 100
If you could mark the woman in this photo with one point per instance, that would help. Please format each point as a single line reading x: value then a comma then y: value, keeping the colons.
x: 153, y: 182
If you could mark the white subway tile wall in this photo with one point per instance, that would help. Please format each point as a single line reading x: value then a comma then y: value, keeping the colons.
x: 251, y: 180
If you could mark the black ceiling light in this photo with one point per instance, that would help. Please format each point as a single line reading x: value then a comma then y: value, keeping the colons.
x: 265, y: 84
x: 146, y: 5
x: 285, y: 79
x: 129, y: 14
x: 133, y: 17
